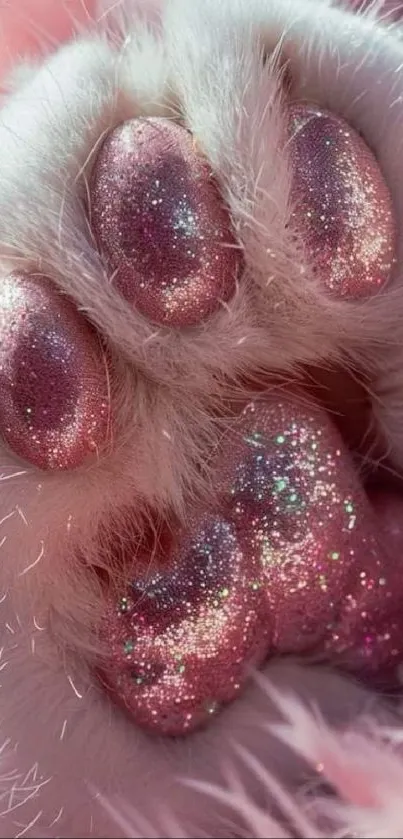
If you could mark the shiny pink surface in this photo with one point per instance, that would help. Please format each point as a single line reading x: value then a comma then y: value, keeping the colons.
x: 290, y: 563
x: 341, y: 204
x: 161, y: 224
x: 54, y: 403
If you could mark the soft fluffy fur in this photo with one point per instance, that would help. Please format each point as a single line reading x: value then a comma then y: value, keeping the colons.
x: 319, y: 747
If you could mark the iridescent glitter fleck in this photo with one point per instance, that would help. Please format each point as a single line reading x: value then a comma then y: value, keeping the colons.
x: 289, y: 564
x: 161, y: 224
x: 53, y: 382
x: 342, y: 205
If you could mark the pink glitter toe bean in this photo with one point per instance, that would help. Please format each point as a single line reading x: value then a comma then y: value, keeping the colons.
x: 341, y: 203
x: 161, y: 224
x: 54, y: 402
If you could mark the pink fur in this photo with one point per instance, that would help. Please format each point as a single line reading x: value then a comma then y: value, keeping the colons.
x: 305, y: 752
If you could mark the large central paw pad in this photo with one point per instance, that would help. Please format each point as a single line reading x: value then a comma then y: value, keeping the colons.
x: 287, y: 563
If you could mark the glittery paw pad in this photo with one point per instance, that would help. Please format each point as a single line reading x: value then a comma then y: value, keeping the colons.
x: 342, y: 204
x: 54, y: 403
x: 289, y: 563
x: 161, y: 224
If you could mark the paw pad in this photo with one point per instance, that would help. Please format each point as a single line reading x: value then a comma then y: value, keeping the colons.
x: 161, y: 223
x: 54, y: 404
x: 342, y: 204
x: 288, y: 563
